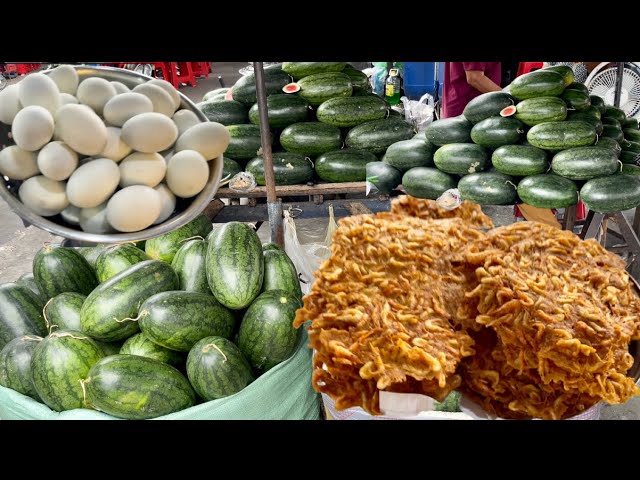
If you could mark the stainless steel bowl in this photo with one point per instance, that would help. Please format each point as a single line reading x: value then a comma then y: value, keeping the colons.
x: 184, y: 213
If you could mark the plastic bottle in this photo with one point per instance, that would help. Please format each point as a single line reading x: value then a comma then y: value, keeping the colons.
x: 392, y: 87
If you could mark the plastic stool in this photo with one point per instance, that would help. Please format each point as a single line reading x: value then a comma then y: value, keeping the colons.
x: 164, y: 68
x: 201, y: 69
x: 581, y: 211
x: 181, y: 72
x: 526, y: 67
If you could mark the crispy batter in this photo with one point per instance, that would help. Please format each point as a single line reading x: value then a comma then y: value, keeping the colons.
x: 381, y: 310
x: 426, y: 209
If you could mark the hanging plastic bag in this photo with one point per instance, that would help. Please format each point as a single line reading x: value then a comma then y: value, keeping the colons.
x: 419, y: 113
x: 307, y: 256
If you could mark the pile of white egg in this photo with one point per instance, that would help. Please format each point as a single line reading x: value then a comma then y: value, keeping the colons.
x: 105, y: 157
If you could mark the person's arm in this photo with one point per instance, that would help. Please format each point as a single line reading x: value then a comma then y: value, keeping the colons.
x: 482, y: 83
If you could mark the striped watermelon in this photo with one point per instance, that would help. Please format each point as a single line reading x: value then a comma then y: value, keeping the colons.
x: 59, y: 269
x: 15, y: 365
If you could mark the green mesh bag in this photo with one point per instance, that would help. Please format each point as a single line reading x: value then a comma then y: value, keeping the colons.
x: 283, y: 393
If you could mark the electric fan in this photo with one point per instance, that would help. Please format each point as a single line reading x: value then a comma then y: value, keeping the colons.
x: 602, y: 82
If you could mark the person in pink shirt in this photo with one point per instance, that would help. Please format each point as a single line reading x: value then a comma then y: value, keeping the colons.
x: 463, y: 81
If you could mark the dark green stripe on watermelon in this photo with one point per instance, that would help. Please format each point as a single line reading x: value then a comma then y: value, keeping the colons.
x: 217, y: 368
x: 615, y: 112
x: 382, y: 178
x: 347, y: 165
x: 630, y: 170
x: 280, y: 273
x: 576, y: 99
x: 244, y: 141
x: 541, y: 109
x: 407, y: 154
x: 177, y: 320
x: 117, y: 258
x: 358, y: 78
x: 59, y: 269
x: 613, y: 193
x: 597, y: 102
x: 581, y: 87
x: 190, y: 266
x: 378, y: 135
x: 266, y: 335
x: 109, y: 348
x: 630, y: 123
x: 283, y: 110
x: 449, y: 130
x: 321, y: 87
x: 230, y: 168
x: 628, y: 146
x: 426, y: 182
x: 165, y: 246
x: 584, y: 163
x: 310, y: 138
x: 271, y: 246
x: 630, y: 158
x: 303, y: 69
x: 488, y: 188
x: 487, y: 105
x: 20, y: 313
x: 15, y: 365
x: 540, y: 83
x: 91, y: 254
x: 62, y: 312
x: 632, y: 135
x: 351, y: 111
x: 28, y: 280
x: 561, y: 135
x: 614, y: 132
x: 520, y: 160
x: 141, y: 345
x: 214, y: 93
x: 497, y: 131
x: 137, y: 388
x: 106, y: 313
x: 565, y: 70
x: 288, y: 169
x: 548, y: 191
x: 58, y: 365
x: 611, y: 121
x: 235, y: 265
x: 228, y: 112
x: 461, y: 158
x: 609, y: 143
x: 244, y: 91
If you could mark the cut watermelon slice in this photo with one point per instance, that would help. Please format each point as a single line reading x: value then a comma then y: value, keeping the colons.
x: 229, y: 94
x: 508, y: 111
x: 291, y: 88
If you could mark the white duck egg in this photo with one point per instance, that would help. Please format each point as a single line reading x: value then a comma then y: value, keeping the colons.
x: 95, y: 92
x: 57, y: 161
x: 9, y: 104
x: 142, y: 169
x: 134, y: 208
x: 162, y: 101
x: 211, y: 139
x: 187, y: 173
x: 93, y: 183
x: 32, y: 128
x: 94, y: 220
x: 39, y: 89
x: 167, y: 203
x: 170, y: 89
x: 79, y: 127
x: 185, y: 119
x: 44, y: 196
x: 124, y: 106
x: 66, y: 78
x: 149, y: 132
x: 115, y: 149
x: 18, y: 164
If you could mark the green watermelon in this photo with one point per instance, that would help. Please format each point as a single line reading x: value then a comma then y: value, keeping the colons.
x: 60, y: 269
x: 15, y: 365
x: 117, y: 258
x: 62, y: 312
x: 165, y: 246
x: 140, y: 345
x: 280, y: 273
x: 189, y: 263
x: 20, y: 313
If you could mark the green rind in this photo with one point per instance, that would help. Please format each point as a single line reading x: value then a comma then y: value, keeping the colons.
x: 520, y: 160
x: 177, y: 320
x: 214, y: 93
x: 541, y: 109
x: 630, y: 123
x: 358, y: 78
x: 288, y: 169
x: 495, y: 132
x: 117, y: 258
x: 584, y: 163
x: 165, y: 246
x: 58, y: 365
x: 487, y: 105
x: 107, y: 312
x: 611, y: 121
x: 564, y: 70
x: 488, y: 188
x: 189, y: 264
x: 628, y: 146
x: 630, y: 170
x: 615, y: 112
x: 614, y: 132
x: 598, y: 102
x: 62, y: 312
x: 266, y: 336
x: 382, y: 178
x: 319, y: 88
x: 407, y: 154
x: 109, y: 348
x: 244, y: 91
x: 378, y: 135
x: 235, y: 265
x: 244, y: 141
x: 449, y: 130
x: 15, y: 365
x: 610, y: 143
x: 347, y: 165
x: 300, y: 70
x: 230, y: 167
x: 631, y: 158
x: 548, y: 191
x: 631, y: 134
x: 217, y: 368
x: 20, y: 313
x: 137, y: 388
x: 142, y: 346
x: 581, y: 87
x: 29, y: 281
x: 272, y: 246
x: 91, y: 254
x: 613, y: 193
x: 228, y: 112
x: 561, y: 135
x: 539, y: 83
x: 426, y: 182
x: 576, y: 99
x: 280, y: 273
x: 59, y: 269
x: 351, y: 111
x: 310, y: 138
x: 283, y: 110
x: 461, y: 158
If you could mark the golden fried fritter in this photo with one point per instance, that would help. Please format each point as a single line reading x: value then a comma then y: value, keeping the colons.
x: 427, y: 209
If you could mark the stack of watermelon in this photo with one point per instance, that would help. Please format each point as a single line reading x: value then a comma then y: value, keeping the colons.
x: 326, y: 126
x: 140, y: 331
x: 543, y: 140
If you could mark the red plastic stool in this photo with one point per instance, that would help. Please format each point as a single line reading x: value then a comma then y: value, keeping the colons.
x: 181, y: 72
x: 526, y: 67
x: 201, y: 69
x: 581, y: 211
x: 164, y: 68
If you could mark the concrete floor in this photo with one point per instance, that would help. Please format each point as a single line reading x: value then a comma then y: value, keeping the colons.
x: 18, y: 244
